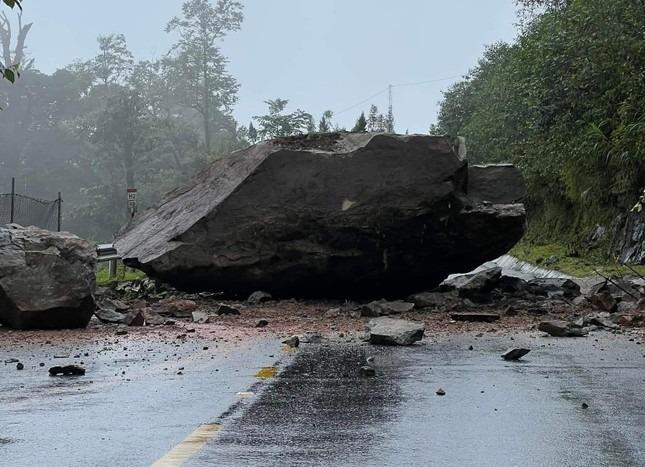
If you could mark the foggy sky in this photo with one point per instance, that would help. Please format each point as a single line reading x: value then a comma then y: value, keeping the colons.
x: 320, y: 55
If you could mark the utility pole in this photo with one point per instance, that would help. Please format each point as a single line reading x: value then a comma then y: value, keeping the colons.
x: 390, y: 112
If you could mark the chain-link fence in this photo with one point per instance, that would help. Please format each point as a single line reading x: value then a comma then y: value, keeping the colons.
x: 26, y: 211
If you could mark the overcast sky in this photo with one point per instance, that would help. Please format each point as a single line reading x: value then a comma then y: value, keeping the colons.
x: 320, y: 55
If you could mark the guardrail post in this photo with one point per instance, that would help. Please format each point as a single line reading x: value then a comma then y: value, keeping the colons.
x: 13, y: 200
x: 112, y: 268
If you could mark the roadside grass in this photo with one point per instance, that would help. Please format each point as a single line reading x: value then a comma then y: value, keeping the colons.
x: 560, y: 258
x: 123, y: 274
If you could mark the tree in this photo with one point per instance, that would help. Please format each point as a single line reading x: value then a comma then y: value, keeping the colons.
x: 11, y: 65
x: 324, y: 125
x: 389, y: 121
x: 199, y: 68
x: 114, y: 61
x: 361, y: 124
x: 252, y: 133
x: 567, y: 107
x: 376, y: 122
x: 276, y: 124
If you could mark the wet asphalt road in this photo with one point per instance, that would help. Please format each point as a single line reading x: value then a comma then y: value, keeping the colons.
x: 319, y: 411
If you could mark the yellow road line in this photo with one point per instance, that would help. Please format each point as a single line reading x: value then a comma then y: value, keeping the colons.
x: 189, y: 447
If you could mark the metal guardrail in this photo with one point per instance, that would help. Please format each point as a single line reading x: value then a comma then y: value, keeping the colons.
x: 106, y: 253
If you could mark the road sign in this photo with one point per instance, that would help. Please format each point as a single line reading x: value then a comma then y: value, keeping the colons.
x: 132, y: 201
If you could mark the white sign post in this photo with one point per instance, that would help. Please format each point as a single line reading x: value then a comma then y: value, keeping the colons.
x: 132, y: 201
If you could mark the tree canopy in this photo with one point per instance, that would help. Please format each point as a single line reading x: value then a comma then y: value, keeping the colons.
x: 566, y: 103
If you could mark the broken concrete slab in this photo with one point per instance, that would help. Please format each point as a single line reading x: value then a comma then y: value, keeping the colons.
x: 47, y: 279
x: 350, y: 215
x: 393, y: 331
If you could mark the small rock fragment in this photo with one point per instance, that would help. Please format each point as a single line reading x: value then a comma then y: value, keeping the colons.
x: 515, y: 353
x: 441, y: 392
x: 484, y: 317
x: 368, y: 371
x: 223, y: 309
x: 391, y: 331
x: 293, y: 341
x: 261, y: 323
x: 69, y: 370
x: 259, y: 297
x: 20, y: 366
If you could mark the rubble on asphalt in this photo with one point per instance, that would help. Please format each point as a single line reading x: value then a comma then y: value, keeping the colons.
x: 558, y: 306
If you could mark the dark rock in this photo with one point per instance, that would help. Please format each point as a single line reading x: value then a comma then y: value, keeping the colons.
x: 604, y: 301
x: 109, y: 316
x: 430, y: 299
x: 484, y: 317
x: 69, y: 370
x: 311, y: 337
x: 332, y: 313
x: 293, y: 341
x: 510, y: 284
x: 152, y: 318
x: 474, y: 286
x: 515, y: 353
x: 259, y: 297
x: 135, y: 318
x: 261, y: 323
x: 629, y: 237
x: 497, y: 184
x: 329, y: 215
x: 223, y: 309
x: 121, y: 332
x: 368, y: 371
x: 560, y: 328
x: 600, y: 321
x: 554, y: 287
x: 440, y: 392
x: 384, y: 308
x: 20, y: 366
x: 585, y: 405
x: 510, y: 311
x: 47, y: 279
x: 391, y: 331
x: 201, y: 317
x: 177, y: 308
x: 111, y: 311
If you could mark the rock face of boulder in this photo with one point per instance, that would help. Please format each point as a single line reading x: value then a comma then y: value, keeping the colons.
x: 47, y: 279
x: 329, y: 215
x: 629, y: 238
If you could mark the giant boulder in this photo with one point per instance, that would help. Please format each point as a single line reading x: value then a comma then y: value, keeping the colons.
x: 47, y: 279
x: 336, y: 214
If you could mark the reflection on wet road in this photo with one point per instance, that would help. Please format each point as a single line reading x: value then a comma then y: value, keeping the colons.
x: 258, y: 406
x: 319, y: 411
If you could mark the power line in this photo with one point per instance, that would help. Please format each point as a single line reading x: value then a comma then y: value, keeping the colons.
x: 418, y: 83
x: 389, y: 90
x: 361, y: 102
